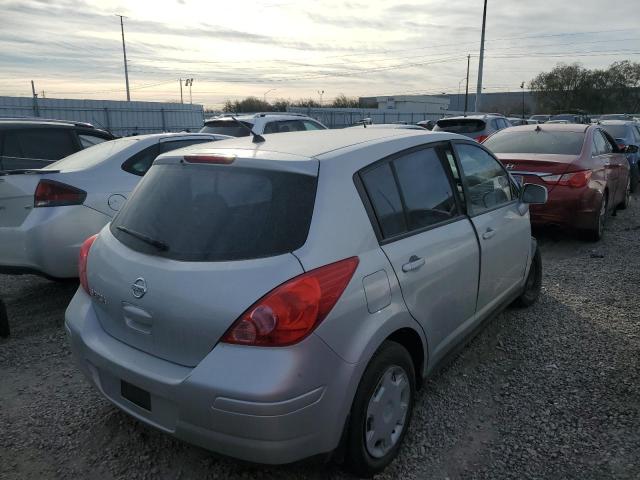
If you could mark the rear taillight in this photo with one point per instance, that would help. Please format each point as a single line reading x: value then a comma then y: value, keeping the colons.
x: 50, y: 193
x: 293, y: 310
x: 574, y: 179
x: 481, y: 138
x: 82, y: 261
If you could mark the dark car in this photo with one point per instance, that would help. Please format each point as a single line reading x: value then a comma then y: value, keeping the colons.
x: 585, y: 172
x: 35, y: 143
x: 627, y: 136
x: 478, y: 127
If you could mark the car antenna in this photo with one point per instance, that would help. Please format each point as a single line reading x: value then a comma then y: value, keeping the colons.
x: 256, y: 138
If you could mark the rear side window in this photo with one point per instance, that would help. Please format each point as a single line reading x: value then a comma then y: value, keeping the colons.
x: 223, y: 213
x: 541, y: 141
x: 227, y: 127
x: 39, y: 143
x: 410, y: 192
x: 139, y: 163
x: 311, y: 125
x: 87, y: 140
x: 460, y: 125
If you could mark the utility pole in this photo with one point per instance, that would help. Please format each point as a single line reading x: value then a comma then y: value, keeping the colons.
x: 36, y: 111
x: 189, y: 83
x: 522, y: 87
x: 466, y: 91
x: 321, y: 93
x: 180, y: 82
x: 124, y: 53
x: 481, y: 62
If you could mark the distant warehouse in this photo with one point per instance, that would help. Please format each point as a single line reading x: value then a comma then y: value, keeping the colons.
x: 120, y: 118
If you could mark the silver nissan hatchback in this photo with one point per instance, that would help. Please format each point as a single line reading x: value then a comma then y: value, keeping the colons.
x: 273, y: 300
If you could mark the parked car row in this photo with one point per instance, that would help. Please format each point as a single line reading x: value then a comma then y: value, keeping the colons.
x: 276, y: 297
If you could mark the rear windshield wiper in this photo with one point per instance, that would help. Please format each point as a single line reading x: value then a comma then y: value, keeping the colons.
x: 140, y: 236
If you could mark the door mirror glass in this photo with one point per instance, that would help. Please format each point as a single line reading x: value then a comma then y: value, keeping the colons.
x: 534, y: 194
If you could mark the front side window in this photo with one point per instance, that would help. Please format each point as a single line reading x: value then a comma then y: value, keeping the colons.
x: 425, y: 188
x: 410, y: 192
x: 487, y: 182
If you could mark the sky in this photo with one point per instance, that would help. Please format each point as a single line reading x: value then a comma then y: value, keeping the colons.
x: 299, y: 49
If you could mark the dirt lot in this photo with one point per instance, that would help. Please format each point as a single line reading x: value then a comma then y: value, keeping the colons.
x: 548, y: 392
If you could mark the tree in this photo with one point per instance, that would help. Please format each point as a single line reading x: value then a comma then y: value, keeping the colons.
x: 572, y: 87
x: 306, y: 102
x: 342, y: 101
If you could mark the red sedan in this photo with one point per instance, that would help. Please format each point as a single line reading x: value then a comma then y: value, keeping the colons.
x: 586, y: 174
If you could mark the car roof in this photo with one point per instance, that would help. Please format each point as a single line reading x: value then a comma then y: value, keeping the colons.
x: 174, y: 134
x: 555, y: 127
x: 473, y: 117
x: 249, y: 117
x: 314, y: 143
x: 617, y: 122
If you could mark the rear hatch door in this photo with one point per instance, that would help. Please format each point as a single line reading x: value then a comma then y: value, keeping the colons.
x: 195, y: 246
x: 470, y: 127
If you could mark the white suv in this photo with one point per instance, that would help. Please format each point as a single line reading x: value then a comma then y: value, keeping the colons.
x: 260, y: 123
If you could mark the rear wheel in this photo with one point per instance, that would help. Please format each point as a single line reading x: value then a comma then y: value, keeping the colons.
x: 381, y: 410
x: 597, y: 230
x: 533, y: 284
x: 4, y: 321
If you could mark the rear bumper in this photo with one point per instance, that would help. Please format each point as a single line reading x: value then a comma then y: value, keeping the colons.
x: 264, y: 405
x: 568, y: 207
x: 48, y: 240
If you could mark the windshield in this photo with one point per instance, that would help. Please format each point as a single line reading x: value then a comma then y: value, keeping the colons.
x: 227, y: 127
x: 92, y: 156
x: 223, y: 213
x: 462, y: 125
x: 538, y: 142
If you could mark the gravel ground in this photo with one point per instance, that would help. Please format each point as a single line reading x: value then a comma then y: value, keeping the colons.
x: 548, y: 392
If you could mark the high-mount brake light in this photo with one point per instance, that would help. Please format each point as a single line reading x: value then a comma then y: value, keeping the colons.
x: 212, y: 159
x: 82, y: 261
x: 50, y: 193
x: 293, y: 310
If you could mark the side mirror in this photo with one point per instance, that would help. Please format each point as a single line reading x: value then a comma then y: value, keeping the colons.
x: 534, y: 194
x: 631, y: 149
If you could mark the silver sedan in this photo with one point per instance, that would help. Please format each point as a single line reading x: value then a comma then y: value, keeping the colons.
x: 46, y: 214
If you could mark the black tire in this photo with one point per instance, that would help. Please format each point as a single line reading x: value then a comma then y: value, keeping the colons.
x: 597, y: 231
x: 4, y: 321
x: 627, y: 197
x: 533, y: 285
x: 635, y: 177
x: 358, y: 459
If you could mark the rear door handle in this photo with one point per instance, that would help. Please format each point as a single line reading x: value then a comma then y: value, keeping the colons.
x: 490, y: 232
x: 414, y: 264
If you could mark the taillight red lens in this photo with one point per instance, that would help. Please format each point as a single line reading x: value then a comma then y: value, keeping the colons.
x: 293, y: 310
x: 82, y: 261
x: 574, y: 179
x: 50, y: 193
x: 481, y: 138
